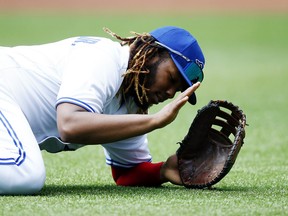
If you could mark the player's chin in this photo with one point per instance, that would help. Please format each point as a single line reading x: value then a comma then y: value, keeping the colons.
x: 153, y: 100
x: 148, y: 105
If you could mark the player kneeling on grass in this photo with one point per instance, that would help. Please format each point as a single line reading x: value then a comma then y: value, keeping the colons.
x: 91, y: 90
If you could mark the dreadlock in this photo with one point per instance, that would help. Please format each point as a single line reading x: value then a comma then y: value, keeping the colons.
x: 143, y: 49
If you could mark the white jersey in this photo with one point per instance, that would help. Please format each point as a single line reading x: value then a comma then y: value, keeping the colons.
x: 86, y: 71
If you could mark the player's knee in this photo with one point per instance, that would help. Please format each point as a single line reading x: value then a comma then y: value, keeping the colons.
x: 35, y: 183
x: 29, y: 183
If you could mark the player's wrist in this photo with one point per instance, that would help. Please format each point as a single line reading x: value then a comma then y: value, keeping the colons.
x: 169, y: 171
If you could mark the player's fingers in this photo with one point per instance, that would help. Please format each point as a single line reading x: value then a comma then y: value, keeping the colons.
x: 180, y: 103
x: 189, y: 91
x: 184, y: 96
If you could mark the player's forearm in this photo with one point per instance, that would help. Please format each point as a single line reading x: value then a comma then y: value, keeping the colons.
x: 91, y: 128
x: 77, y: 125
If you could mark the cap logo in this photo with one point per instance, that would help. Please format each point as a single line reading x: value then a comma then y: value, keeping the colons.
x: 199, y: 63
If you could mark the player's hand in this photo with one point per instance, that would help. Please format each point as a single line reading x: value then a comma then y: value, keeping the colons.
x: 169, y: 112
x: 169, y: 171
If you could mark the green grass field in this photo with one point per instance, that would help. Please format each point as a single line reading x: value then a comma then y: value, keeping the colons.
x: 247, y: 63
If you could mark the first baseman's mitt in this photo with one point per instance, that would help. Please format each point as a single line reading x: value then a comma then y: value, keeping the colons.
x: 209, y: 150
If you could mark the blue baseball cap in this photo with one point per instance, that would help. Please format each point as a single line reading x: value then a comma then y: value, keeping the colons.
x: 185, y: 53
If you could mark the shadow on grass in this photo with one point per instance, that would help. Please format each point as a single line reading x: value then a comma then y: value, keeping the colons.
x: 56, y: 190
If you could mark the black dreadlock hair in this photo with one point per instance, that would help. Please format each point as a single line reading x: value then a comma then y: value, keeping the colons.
x: 142, y: 50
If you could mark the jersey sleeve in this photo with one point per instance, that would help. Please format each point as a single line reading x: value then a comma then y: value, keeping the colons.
x: 143, y: 174
x: 92, y: 73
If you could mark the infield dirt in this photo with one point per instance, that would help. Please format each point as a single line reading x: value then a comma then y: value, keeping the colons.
x: 148, y: 5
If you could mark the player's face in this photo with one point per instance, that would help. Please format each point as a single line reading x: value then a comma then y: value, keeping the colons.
x: 163, y: 81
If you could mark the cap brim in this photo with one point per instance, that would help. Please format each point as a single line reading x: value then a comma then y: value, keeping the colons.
x: 192, y: 99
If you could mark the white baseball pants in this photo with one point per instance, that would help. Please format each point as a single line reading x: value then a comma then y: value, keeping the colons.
x: 22, y: 168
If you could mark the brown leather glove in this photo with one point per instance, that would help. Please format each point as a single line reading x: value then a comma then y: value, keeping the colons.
x: 211, y: 146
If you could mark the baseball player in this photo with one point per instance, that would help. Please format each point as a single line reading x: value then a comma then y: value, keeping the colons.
x: 90, y: 90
